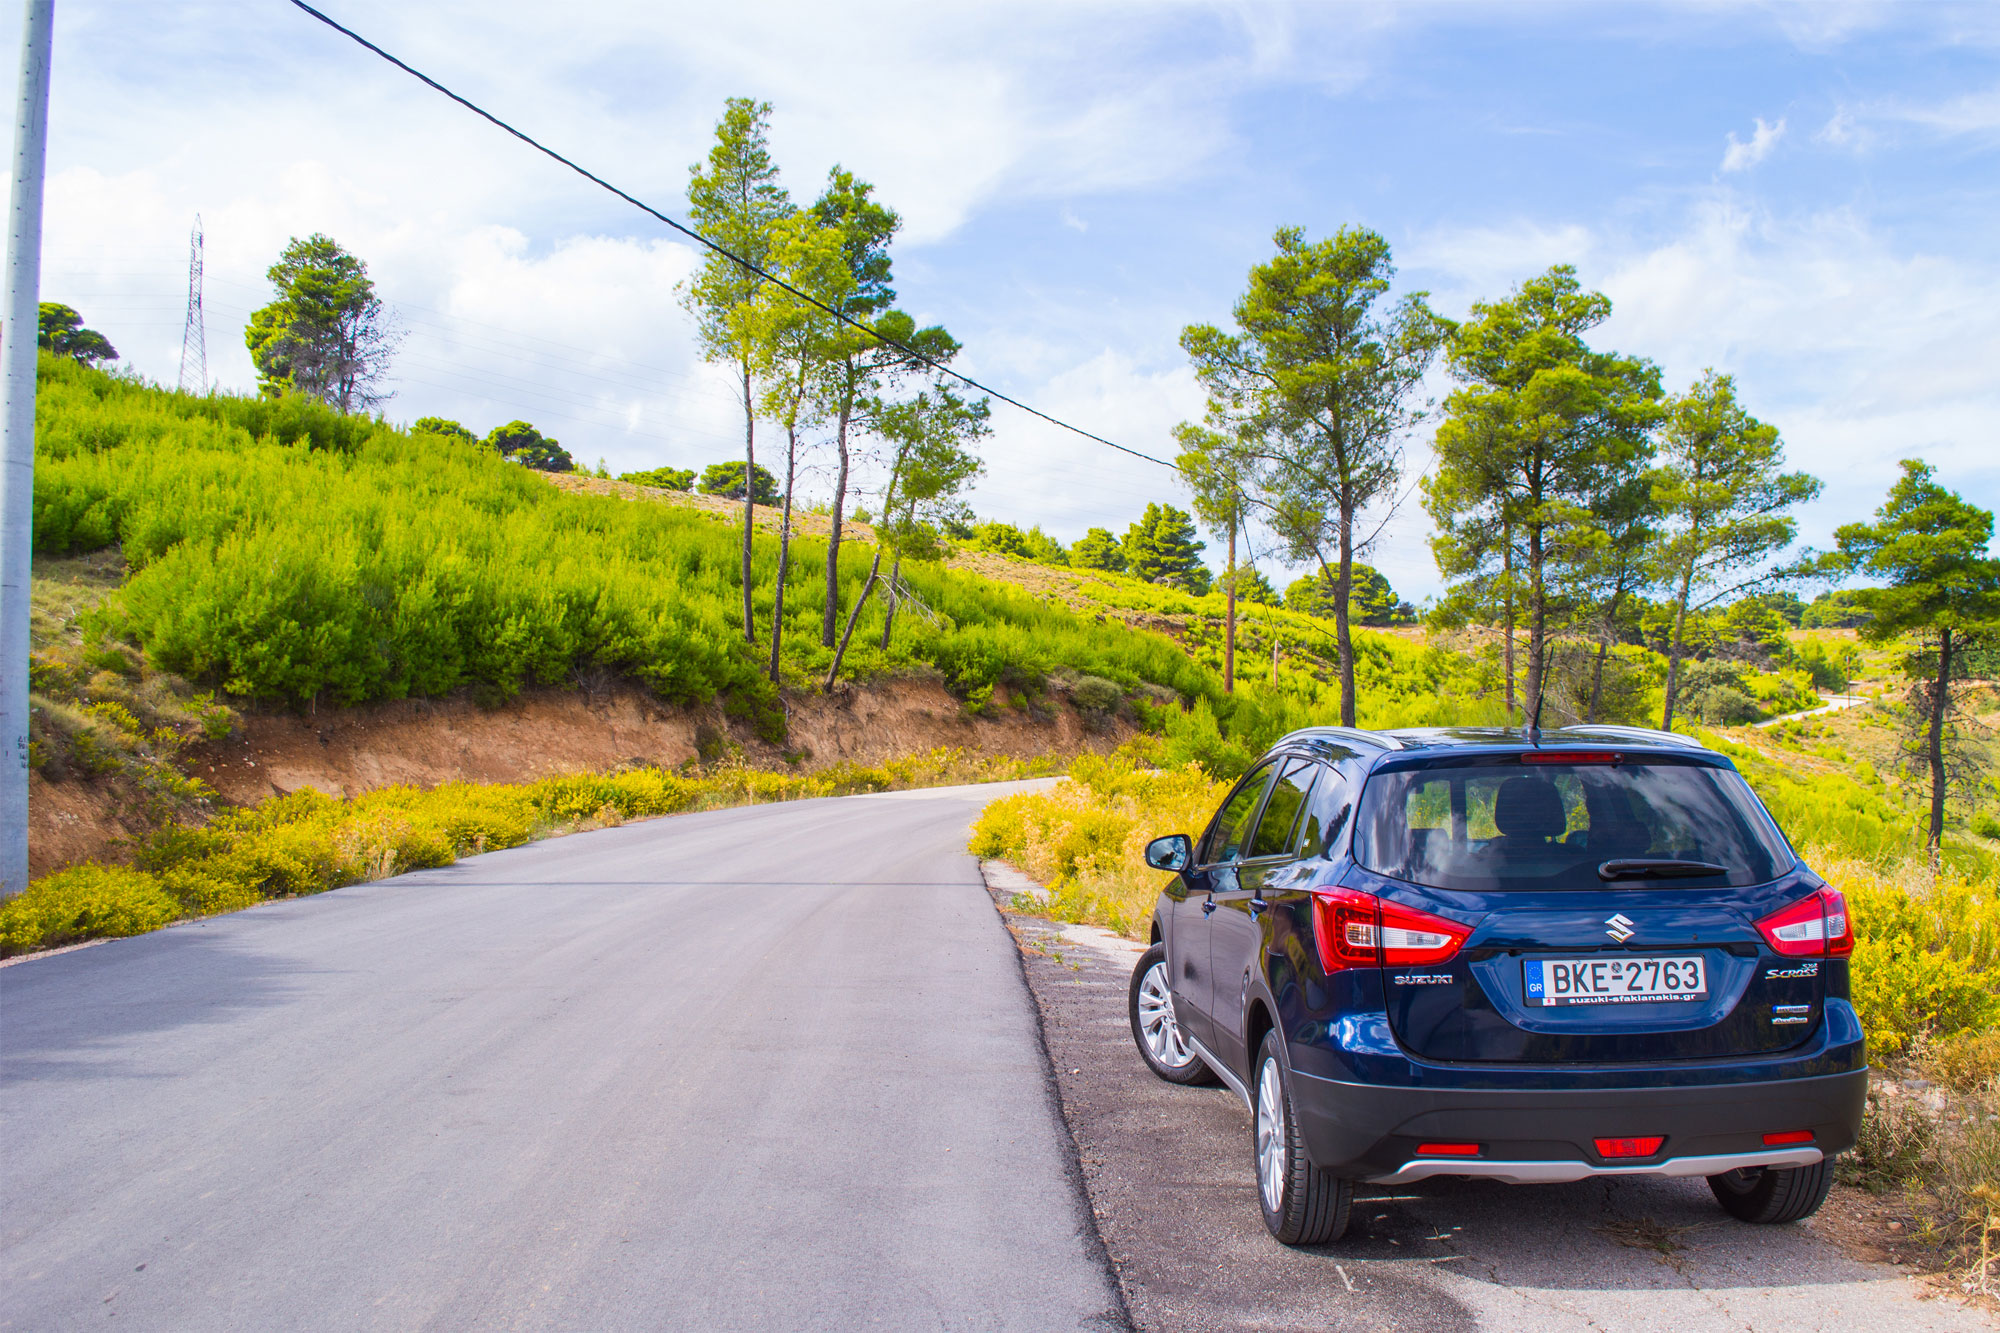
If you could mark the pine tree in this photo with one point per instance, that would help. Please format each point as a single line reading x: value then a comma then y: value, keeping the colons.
x: 735, y: 201
x: 1928, y: 546
x: 1097, y: 549
x: 1541, y: 426
x: 1161, y: 548
x: 1725, y: 501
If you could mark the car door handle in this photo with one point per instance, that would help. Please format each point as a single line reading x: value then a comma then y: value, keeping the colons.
x: 1257, y: 906
x: 1208, y: 907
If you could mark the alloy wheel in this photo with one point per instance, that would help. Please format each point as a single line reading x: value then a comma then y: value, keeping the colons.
x: 1157, y: 1023
x: 1271, y: 1135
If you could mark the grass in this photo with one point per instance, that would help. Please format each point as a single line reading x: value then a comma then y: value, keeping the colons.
x: 98, y: 710
x: 283, y: 553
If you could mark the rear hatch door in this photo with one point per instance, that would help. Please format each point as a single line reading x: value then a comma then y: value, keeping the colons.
x: 1654, y: 961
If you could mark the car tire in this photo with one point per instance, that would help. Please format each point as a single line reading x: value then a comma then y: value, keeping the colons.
x: 1303, y: 1204
x: 1772, y: 1194
x: 1156, y: 1030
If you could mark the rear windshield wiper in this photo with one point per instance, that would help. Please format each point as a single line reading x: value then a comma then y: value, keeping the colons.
x: 1661, y: 868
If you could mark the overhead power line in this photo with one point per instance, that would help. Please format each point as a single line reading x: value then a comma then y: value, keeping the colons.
x: 699, y: 239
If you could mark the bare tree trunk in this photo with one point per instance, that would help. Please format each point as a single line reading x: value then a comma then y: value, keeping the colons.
x: 889, y: 606
x: 860, y: 600
x: 832, y: 611
x: 1674, y: 646
x: 1274, y: 664
x: 1343, y: 583
x: 1940, y: 692
x: 1538, y: 625
x: 1507, y: 578
x: 1609, y: 631
x: 1229, y: 623
x: 749, y: 500
x: 784, y: 545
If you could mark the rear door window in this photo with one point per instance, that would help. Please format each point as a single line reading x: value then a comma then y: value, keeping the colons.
x: 1326, y: 814
x: 1281, y: 813
x: 1502, y: 824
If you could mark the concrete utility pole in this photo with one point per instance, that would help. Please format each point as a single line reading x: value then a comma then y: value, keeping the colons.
x: 18, y: 337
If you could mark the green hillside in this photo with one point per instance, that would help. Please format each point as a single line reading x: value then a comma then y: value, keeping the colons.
x: 283, y: 553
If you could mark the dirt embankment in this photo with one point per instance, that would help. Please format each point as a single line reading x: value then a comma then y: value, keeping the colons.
x: 344, y: 752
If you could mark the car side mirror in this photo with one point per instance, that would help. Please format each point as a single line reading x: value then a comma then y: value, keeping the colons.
x: 1173, y: 852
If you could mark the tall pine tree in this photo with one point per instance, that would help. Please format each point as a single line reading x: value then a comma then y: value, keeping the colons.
x: 735, y: 200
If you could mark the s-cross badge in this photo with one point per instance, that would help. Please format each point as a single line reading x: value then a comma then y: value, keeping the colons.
x: 1621, y: 927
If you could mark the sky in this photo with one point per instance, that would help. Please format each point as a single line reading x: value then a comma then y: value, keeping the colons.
x: 1802, y: 196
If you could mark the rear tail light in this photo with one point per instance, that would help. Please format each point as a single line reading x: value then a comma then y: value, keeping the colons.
x: 1816, y: 926
x: 1641, y: 1147
x: 1447, y: 1150
x: 1344, y: 928
x: 1355, y: 929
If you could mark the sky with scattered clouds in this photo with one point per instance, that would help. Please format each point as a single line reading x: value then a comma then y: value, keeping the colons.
x: 1801, y: 195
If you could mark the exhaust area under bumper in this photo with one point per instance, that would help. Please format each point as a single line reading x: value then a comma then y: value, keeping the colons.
x: 1551, y: 1173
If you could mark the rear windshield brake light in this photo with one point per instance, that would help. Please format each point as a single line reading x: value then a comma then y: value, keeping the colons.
x: 1571, y: 757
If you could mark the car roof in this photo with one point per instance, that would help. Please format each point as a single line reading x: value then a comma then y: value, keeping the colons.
x: 1341, y: 741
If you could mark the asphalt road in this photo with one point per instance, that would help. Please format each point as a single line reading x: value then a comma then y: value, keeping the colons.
x: 1169, y: 1175
x: 769, y: 1068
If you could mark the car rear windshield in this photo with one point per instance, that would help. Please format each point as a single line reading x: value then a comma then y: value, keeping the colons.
x: 1499, y: 823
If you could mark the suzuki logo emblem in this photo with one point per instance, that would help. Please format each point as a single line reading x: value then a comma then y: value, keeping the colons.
x: 1621, y: 927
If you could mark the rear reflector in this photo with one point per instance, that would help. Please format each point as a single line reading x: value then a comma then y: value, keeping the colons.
x: 1789, y: 1136
x: 1571, y: 757
x: 1447, y: 1150
x: 1630, y: 1147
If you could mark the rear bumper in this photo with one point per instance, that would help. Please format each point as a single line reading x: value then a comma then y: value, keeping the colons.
x: 1374, y: 1133
x: 1552, y: 1173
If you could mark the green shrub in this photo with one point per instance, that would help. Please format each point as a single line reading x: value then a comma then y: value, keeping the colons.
x: 1097, y: 695
x: 282, y: 553
x: 84, y: 902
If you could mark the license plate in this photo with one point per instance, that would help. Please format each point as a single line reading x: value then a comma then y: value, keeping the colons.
x: 1614, y: 980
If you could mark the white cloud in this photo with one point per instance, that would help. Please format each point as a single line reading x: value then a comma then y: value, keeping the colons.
x: 1866, y: 125
x: 1840, y: 130
x: 1067, y: 216
x: 1970, y: 113
x: 1039, y: 473
x: 1861, y: 350
x: 1741, y: 156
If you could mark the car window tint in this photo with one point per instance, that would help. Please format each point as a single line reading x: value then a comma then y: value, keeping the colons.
x: 1497, y: 824
x: 1225, y: 836
x: 1326, y: 813
x: 1281, y: 812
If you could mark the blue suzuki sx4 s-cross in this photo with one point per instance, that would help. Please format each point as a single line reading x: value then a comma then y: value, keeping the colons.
x: 1524, y: 956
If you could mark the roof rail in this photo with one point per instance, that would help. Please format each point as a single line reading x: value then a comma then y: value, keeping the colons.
x: 1641, y: 733
x: 1377, y: 739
